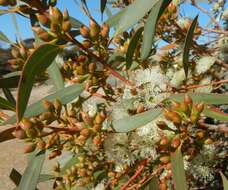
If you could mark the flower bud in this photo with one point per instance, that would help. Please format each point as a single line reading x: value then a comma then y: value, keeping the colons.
x: 84, y: 31
x: 99, y: 118
x: 175, y: 105
x: 200, y: 134
x: 85, y: 132
x: 48, y: 105
x: 86, y: 118
x: 66, y: 26
x: 97, y: 127
x: 87, y: 44
x: 54, y: 154
x: 97, y: 140
x: 173, y: 116
x: 41, y: 144
x: 208, y: 141
x: 44, y: 20
x: 199, y: 107
x: 15, y: 53
x: 58, y: 106
x: 31, y: 132
x: 29, y: 147
x: 188, y: 100
x: 66, y: 16
x: 140, y: 108
x: 164, y: 159
x: 27, y: 124
x: 104, y: 30
x: 164, y: 141
x: 162, y: 125
x: 19, y: 133
x: 94, y: 28
x: 56, y: 15
x: 175, y: 142
x: 81, y: 58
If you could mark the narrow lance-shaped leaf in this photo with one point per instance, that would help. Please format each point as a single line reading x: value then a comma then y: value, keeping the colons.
x: 4, y: 38
x: 215, y: 114
x: 6, y: 105
x: 178, y: 170
x: 133, y: 13
x: 224, y: 181
x: 130, y: 123
x: 102, y: 5
x: 9, y: 82
x: 132, y: 46
x: 65, y: 95
x: 6, y: 134
x: 150, y: 26
x: 36, y: 64
x: 9, y: 96
x: 31, y: 175
x: 188, y: 44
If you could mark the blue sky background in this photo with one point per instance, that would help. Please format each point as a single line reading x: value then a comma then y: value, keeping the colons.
x: 8, y: 28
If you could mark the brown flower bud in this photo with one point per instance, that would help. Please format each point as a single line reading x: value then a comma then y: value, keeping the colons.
x: 19, y: 133
x: 43, y: 19
x: 85, y: 132
x: 56, y: 15
x: 199, y: 107
x: 164, y: 159
x: 140, y: 108
x: 87, y: 44
x: 188, y: 100
x: 29, y: 147
x: 54, y: 154
x: 84, y: 31
x: 208, y: 141
x: 200, y: 134
x: 82, y: 58
x: 4, y: 2
x: 99, y: 119
x: 94, y: 28
x: 31, y: 132
x: 46, y: 116
x: 82, y: 172
x: 164, y: 141
x: 41, y: 144
x: 66, y: 26
x: 194, y: 117
x: 66, y: 16
x: 162, y: 125
x: 48, y: 105
x: 175, y: 105
x: 15, y: 53
x: 86, y: 118
x: 175, y: 142
x: 173, y: 116
x: 105, y: 30
x: 97, y: 140
x: 97, y: 127
x: 26, y: 123
x: 92, y: 67
x: 58, y: 106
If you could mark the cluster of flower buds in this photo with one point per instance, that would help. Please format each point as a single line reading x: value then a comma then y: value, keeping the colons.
x: 20, y: 54
x: 184, y: 115
x: 8, y: 2
x: 95, y: 35
x: 58, y: 22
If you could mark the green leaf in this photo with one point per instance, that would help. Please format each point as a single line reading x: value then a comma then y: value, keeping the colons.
x: 65, y: 95
x: 130, y: 123
x: 4, y: 38
x: 188, y: 44
x: 75, y: 23
x: 102, y: 5
x: 132, y: 46
x: 150, y: 27
x: 133, y: 13
x: 6, y: 105
x: 178, y: 170
x: 55, y: 75
x: 216, y: 114
x: 224, y: 181
x: 211, y: 98
x: 114, y: 19
x: 36, y: 64
x: 31, y: 175
x: 71, y: 162
x: 7, y: 134
x: 9, y: 96
x: 45, y: 177
x: 9, y: 82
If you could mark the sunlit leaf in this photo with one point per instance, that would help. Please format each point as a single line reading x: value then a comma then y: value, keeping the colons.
x: 224, y: 181
x: 138, y: 120
x: 38, y: 62
x: 178, y: 170
x: 133, y: 13
x: 150, y: 26
x: 188, y: 44
x: 132, y: 46
x: 65, y: 95
x: 31, y: 175
x: 75, y: 23
x: 102, y: 5
x: 4, y: 38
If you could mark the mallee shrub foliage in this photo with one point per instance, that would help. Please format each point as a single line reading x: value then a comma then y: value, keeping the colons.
x: 140, y: 101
